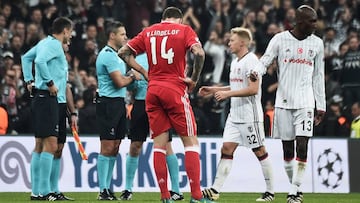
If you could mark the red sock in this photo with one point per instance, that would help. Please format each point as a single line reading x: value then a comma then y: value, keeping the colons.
x: 192, y: 166
x: 161, y: 172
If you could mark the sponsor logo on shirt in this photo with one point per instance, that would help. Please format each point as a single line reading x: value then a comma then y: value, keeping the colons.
x: 299, y: 61
x: 236, y: 80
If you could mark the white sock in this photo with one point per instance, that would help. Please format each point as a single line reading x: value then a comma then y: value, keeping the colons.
x: 222, y: 173
x: 298, y: 176
x: 289, y: 169
x: 268, y: 174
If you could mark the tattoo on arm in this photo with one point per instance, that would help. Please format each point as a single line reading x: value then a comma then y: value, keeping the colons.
x: 199, y: 58
x: 125, y: 55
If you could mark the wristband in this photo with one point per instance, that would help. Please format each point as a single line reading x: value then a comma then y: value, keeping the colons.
x: 74, y: 114
x: 29, y: 82
x: 50, y: 83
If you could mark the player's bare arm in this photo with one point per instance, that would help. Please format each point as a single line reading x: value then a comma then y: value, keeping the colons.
x: 126, y: 54
x: 251, y: 90
x: 207, y: 90
x: 199, y: 58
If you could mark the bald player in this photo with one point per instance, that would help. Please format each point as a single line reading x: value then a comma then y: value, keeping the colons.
x: 300, y: 58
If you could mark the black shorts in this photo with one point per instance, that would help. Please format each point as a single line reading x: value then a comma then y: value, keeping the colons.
x: 45, y: 110
x: 111, y: 118
x: 139, y: 123
x: 62, y: 123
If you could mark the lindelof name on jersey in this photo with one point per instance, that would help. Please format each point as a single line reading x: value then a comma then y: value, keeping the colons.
x: 161, y: 33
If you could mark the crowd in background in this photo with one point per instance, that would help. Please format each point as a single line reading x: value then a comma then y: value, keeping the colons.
x: 24, y: 22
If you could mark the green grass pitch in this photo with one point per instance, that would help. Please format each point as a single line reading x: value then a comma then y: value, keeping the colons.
x: 138, y: 197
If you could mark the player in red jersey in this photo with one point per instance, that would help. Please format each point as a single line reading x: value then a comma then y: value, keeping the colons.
x: 167, y: 100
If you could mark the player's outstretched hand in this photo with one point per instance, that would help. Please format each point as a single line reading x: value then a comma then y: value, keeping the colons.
x: 220, y: 95
x: 190, y: 83
x: 205, y: 90
x: 319, y: 117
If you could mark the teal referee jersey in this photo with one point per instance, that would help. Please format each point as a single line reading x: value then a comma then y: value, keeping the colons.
x: 50, y: 64
x: 140, y: 85
x: 107, y: 62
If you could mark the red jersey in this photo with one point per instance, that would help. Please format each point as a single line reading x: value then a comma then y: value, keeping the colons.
x: 165, y: 45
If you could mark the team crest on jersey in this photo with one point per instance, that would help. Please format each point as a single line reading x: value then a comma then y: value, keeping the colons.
x: 311, y: 53
x: 309, y: 114
x: 250, y: 128
x: 300, y: 50
x: 238, y: 71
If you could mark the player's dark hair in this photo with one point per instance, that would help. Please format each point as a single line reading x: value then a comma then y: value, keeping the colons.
x: 172, y: 12
x: 60, y: 24
x: 303, y: 10
x: 112, y: 27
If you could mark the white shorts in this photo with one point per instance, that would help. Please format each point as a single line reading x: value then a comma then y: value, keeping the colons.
x: 249, y: 135
x: 289, y: 123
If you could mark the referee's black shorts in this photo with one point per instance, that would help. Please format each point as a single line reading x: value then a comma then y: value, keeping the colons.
x: 45, y: 113
x: 62, y: 123
x: 139, y: 123
x: 111, y: 118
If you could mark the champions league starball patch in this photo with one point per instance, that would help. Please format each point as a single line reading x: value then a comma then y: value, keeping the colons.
x: 330, y: 168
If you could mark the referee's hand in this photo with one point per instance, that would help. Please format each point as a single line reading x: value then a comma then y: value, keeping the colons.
x: 53, y: 90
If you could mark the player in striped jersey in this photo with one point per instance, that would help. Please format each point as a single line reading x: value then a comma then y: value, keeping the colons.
x: 300, y: 58
x: 244, y: 125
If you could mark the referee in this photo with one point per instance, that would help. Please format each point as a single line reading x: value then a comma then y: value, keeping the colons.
x: 110, y: 106
x: 50, y: 83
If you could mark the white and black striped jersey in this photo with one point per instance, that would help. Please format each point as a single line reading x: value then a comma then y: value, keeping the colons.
x: 300, y: 70
x: 245, y: 109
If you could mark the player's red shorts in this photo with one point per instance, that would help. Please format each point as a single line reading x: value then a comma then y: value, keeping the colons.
x: 168, y: 108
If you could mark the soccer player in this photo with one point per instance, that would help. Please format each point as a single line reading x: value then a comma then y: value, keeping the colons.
x: 244, y: 125
x: 110, y: 105
x: 167, y: 100
x: 139, y: 130
x: 50, y: 88
x: 300, y: 58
